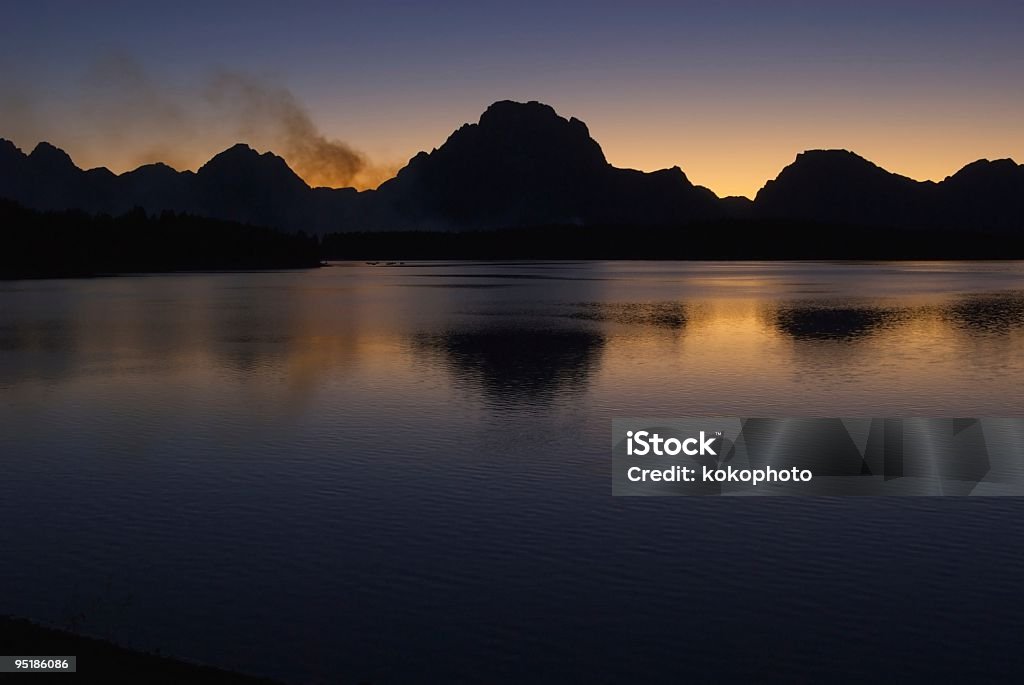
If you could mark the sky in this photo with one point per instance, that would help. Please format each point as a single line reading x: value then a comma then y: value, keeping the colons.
x: 730, y: 91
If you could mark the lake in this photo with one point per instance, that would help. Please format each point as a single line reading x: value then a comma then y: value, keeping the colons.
x: 402, y: 473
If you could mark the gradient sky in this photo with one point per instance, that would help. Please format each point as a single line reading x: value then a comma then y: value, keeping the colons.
x: 729, y: 91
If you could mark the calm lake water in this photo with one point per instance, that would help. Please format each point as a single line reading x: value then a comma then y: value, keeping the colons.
x: 402, y: 474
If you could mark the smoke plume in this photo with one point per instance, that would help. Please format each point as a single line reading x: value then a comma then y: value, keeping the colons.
x: 270, y: 115
x: 123, y: 117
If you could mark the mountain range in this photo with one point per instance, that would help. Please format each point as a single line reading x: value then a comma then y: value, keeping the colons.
x: 522, y: 165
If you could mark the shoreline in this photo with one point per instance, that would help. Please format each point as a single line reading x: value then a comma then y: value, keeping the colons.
x: 418, y: 261
x: 123, y: 274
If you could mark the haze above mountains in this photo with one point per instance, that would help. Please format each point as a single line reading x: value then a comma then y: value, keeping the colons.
x: 521, y: 165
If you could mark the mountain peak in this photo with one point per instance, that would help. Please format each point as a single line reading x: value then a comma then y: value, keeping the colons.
x: 838, y: 186
x: 523, y: 164
x: 531, y: 118
x: 829, y: 153
x: 510, y: 110
x: 832, y: 160
x: 243, y: 152
x: 237, y: 152
x: 155, y: 171
x: 51, y: 157
x: 833, y: 167
x: 162, y: 167
x: 9, y: 152
x: 241, y: 148
x: 242, y: 163
x: 985, y: 170
x: 513, y: 142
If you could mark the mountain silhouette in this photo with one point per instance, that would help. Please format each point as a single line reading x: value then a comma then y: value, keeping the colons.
x: 522, y: 166
x: 838, y: 187
x: 988, y: 194
x: 244, y: 185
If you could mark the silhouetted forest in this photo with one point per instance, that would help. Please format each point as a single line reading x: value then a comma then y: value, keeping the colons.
x: 750, y: 239
x: 73, y: 243
x: 36, y: 244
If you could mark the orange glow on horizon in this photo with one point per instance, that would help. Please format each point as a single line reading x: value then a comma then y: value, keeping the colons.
x: 731, y: 157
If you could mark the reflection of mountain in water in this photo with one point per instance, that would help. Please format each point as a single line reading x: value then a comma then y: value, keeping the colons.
x: 518, y: 364
x: 987, y: 313
x: 833, y: 323
x: 670, y: 315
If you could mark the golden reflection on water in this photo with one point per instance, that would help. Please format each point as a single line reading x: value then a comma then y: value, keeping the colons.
x: 667, y: 339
